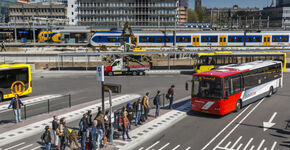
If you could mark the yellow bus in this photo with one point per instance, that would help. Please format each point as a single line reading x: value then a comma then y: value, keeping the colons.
x: 14, y: 79
x: 207, y: 61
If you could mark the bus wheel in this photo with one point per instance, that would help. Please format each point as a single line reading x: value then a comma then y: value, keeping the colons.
x: 134, y: 73
x: 110, y: 73
x: 141, y: 73
x: 238, y: 105
x: 1, y: 97
x: 270, y: 91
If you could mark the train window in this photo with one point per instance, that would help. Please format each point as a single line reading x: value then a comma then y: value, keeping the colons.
x: 197, y: 39
x: 151, y: 39
x: 187, y: 39
x: 204, y: 39
x: 213, y: 39
x: 250, y: 39
x: 231, y: 39
x: 275, y: 39
x: 143, y: 39
x: 239, y: 39
x: 193, y: 40
x: 285, y: 39
x: 158, y: 40
x: 178, y: 39
x: 167, y: 39
x: 258, y: 39
x: 112, y: 39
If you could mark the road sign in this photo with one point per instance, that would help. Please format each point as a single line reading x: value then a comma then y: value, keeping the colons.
x: 100, y: 73
x: 115, y: 88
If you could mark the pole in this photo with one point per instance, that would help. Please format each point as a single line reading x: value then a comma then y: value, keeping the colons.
x: 268, y: 22
x: 47, y: 35
x: 103, y: 97
x: 168, y: 61
x: 110, y: 118
x: 15, y: 31
x: 33, y: 30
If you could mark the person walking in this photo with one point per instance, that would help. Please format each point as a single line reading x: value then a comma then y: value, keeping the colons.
x: 46, y: 138
x: 130, y: 114
x: 100, y: 129
x: 138, y: 111
x: 125, y: 125
x: 63, y: 133
x: 146, y: 105
x: 16, y: 105
x: 157, y: 103
x: 93, y: 135
x: 55, y: 125
x: 83, y: 126
x: 3, y: 46
x: 90, y: 118
x: 171, y: 96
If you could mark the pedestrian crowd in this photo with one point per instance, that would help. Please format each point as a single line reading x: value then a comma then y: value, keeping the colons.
x: 95, y: 133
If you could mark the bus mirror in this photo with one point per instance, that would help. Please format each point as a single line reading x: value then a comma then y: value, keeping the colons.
x: 186, y: 86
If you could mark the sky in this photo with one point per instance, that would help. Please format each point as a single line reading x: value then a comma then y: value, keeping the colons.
x: 229, y: 3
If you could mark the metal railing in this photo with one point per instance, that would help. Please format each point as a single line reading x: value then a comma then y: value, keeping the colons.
x: 37, y: 108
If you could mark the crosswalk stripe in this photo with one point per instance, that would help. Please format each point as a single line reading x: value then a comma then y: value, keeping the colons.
x: 25, y: 147
x: 15, y: 146
x: 239, y: 146
x: 141, y: 148
x: 175, y: 147
x: 164, y: 146
x: 252, y: 147
x: 259, y: 147
x: 228, y: 144
x: 236, y: 142
x: 273, y: 147
x: 36, y: 148
x: 248, y: 144
x: 188, y: 148
x: 152, y: 145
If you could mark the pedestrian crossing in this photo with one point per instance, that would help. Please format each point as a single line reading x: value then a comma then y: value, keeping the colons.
x: 24, y: 146
x: 167, y: 146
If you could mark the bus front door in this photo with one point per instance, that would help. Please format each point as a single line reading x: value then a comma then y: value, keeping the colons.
x: 266, y: 40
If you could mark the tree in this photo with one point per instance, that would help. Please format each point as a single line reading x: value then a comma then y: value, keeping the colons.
x: 192, y: 16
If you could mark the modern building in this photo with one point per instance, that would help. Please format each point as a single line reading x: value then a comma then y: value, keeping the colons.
x: 182, y: 11
x: 24, y: 13
x: 283, y: 3
x: 4, y: 4
x: 137, y: 12
x: 197, y: 4
x: 22, y: 1
x: 72, y: 12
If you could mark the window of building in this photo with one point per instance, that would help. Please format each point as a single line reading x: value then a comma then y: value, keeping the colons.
x: 72, y: 6
x: 72, y: 20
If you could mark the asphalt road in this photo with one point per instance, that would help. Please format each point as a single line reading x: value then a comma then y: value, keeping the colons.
x: 243, y: 130
x: 84, y: 88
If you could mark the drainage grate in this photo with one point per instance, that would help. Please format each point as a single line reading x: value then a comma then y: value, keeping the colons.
x: 134, y: 137
x: 155, y: 125
x: 2, y: 138
x: 140, y: 133
x: 145, y: 131
x: 20, y: 132
x: 11, y: 135
x: 36, y: 126
x: 28, y: 129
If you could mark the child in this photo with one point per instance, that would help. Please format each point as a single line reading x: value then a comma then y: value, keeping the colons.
x: 46, y: 138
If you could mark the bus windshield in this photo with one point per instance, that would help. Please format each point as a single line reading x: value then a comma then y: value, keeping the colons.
x: 207, y: 87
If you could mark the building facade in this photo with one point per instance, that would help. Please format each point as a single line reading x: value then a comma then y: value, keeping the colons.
x: 182, y: 11
x: 4, y: 4
x: 137, y: 12
x: 278, y: 16
x: 283, y: 3
x: 55, y: 14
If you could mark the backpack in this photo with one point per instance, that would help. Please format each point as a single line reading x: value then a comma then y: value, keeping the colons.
x: 155, y: 101
x: 168, y: 94
x: 58, y: 132
x: 45, y: 137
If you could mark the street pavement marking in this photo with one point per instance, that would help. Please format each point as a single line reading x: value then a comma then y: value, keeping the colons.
x: 225, y: 128
x: 245, y: 148
x: 141, y: 148
x: 152, y: 145
x: 164, y: 146
x: 252, y: 147
x: 175, y: 147
x: 228, y: 144
x: 25, y: 147
x: 239, y: 146
x: 273, y: 147
x: 261, y: 144
x: 265, y: 148
x: 238, y: 124
x: 36, y: 148
x: 188, y: 148
x: 236, y: 142
x: 15, y: 146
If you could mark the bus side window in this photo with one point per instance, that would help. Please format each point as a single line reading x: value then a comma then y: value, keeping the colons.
x: 227, y: 87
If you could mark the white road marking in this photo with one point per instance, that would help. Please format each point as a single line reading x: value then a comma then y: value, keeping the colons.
x: 245, y: 148
x: 236, y: 142
x: 265, y: 148
x: 164, y: 146
x: 252, y: 147
x: 175, y: 147
x: 188, y: 148
x: 228, y: 145
x: 25, y: 147
x: 273, y: 146
x: 239, y: 146
x: 238, y: 124
x: 259, y: 147
x: 141, y: 148
x: 15, y: 146
x: 36, y: 148
x: 224, y: 129
x: 152, y: 145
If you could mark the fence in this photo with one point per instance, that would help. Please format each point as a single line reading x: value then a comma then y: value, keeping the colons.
x: 37, y: 108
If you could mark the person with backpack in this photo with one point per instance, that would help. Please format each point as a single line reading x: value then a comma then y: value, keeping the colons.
x: 146, y: 105
x: 138, y: 111
x: 157, y: 103
x: 170, y: 95
x: 16, y: 105
x: 46, y: 138
x: 83, y: 126
x: 54, y: 128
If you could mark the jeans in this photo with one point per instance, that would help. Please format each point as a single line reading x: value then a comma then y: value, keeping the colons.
x: 55, y: 138
x: 138, y: 115
x: 62, y: 143
x: 157, y: 110
x: 83, y: 141
x: 125, y: 131
x: 171, y: 102
x: 100, y: 137
x: 17, y: 114
x: 93, y: 145
x: 111, y: 134
x: 47, y: 146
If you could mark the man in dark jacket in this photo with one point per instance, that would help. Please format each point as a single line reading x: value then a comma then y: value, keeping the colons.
x: 157, y: 102
x: 46, y: 138
x: 171, y: 94
x: 83, y: 128
x: 138, y: 111
x: 90, y: 118
x: 55, y: 125
x: 16, y: 105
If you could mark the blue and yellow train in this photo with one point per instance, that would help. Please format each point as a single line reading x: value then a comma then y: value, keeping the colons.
x: 43, y: 36
x: 194, y: 39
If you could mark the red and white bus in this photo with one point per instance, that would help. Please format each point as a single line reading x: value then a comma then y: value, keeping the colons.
x: 229, y: 88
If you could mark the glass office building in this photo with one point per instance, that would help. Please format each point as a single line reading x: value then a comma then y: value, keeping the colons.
x: 4, y: 4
